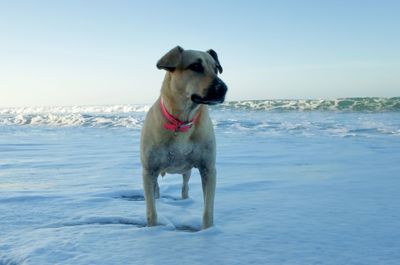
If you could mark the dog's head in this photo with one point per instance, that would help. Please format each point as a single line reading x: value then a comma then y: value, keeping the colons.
x: 194, y: 75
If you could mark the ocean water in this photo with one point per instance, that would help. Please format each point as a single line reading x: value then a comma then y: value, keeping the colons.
x: 299, y: 182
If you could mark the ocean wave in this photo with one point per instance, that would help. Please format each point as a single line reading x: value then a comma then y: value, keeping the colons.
x: 72, y: 120
x: 267, y: 116
x: 344, y: 104
x: 322, y: 124
x: 130, y: 116
x: 352, y: 127
x: 370, y: 104
x: 76, y: 109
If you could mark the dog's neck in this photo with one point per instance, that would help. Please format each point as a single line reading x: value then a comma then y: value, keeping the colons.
x: 178, y: 106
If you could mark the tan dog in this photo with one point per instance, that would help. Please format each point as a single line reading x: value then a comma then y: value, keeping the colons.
x: 177, y: 134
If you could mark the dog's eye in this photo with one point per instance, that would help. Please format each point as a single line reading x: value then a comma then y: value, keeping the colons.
x: 196, y: 67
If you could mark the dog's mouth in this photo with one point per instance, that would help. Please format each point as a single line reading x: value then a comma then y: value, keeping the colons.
x: 215, y: 94
x: 204, y: 100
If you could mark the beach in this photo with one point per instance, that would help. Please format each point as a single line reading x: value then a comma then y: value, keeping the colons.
x: 298, y: 182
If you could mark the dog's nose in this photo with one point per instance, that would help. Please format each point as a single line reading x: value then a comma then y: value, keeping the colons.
x: 220, y: 87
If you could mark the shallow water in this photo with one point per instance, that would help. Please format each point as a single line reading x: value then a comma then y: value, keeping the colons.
x: 294, y: 187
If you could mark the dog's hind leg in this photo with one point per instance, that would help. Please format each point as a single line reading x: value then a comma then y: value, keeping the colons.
x: 185, y: 184
x: 156, y: 189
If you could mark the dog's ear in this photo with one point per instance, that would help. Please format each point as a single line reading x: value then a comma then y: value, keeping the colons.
x: 171, y: 59
x: 215, y: 56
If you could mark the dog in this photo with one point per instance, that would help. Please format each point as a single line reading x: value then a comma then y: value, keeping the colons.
x: 177, y: 133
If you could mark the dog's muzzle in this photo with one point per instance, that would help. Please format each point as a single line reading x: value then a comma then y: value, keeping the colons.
x: 215, y: 93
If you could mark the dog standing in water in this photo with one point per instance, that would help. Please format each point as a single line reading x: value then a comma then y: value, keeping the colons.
x: 178, y: 134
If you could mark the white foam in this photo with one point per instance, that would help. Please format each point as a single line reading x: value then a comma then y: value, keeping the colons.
x: 244, y: 116
x: 76, y: 109
x: 343, y: 104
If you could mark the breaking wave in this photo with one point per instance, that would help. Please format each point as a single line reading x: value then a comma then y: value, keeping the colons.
x: 72, y: 119
x: 132, y: 116
x: 344, y: 104
x: 77, y: 109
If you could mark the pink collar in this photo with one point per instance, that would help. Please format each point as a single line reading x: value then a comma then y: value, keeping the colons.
x: 176, y: 125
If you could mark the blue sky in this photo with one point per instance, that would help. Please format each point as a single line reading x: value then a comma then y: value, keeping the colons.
x: 104, y: 52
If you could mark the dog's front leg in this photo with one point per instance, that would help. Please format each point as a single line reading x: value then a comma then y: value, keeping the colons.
x: 208, y: 180
x: 149, y: 186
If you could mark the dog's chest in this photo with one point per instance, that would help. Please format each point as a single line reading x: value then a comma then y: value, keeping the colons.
x: 178, y: 158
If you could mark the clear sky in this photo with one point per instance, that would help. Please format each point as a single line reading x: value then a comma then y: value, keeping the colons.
x: 92, y: 52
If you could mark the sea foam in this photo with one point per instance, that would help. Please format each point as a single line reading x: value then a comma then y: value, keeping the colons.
x: 267, y: 116
x: 343, y: 104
